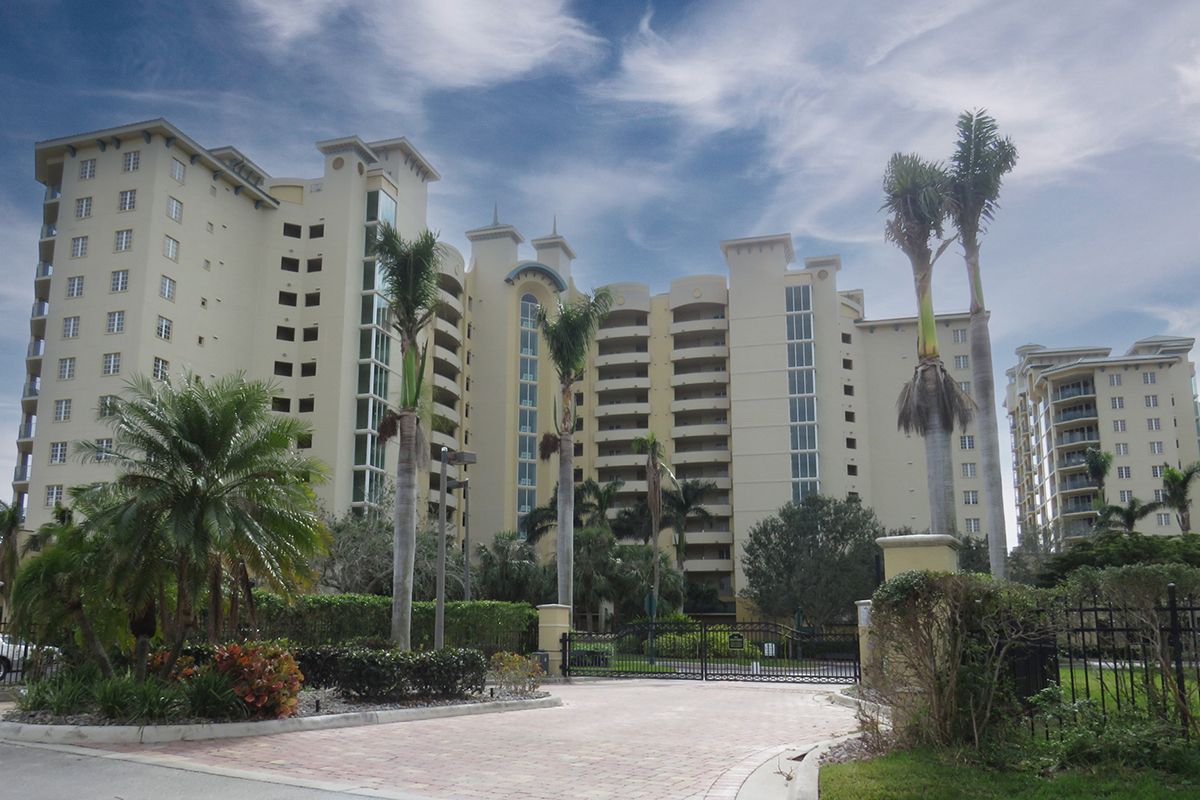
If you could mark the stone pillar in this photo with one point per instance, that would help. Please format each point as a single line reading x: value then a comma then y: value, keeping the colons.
x: 553, y: 621
x: 866, y: 647
x: 932, y: 551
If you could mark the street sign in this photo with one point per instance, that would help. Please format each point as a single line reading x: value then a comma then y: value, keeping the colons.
x: 737, y: 641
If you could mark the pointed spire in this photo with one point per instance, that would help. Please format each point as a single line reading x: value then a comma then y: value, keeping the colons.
x: 555, y: 233
x: 496, y: 214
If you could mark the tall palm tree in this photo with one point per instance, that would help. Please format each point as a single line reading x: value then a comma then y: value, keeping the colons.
x: 931, y: 403
x: 980, y: 161
x: 569, y: 338
x: 11, y: 520
x: 684, y: 502
x: 596, y: 566
x: 508, y: 569
x: 1096, y: 465
x: 1177, y: 484
x: 633, y: 522
x: 1126, y: 517
x: 654, y: 450
x: 600, y: 498
x: 411, y: 273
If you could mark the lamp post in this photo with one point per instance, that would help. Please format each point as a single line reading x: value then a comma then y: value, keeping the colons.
x: 439, y: 613
x: 465, y: 485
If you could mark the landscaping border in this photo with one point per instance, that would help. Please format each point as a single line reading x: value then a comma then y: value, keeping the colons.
x: 155, y: 734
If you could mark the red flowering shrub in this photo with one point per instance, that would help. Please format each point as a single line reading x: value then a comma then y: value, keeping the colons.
x: 265, y: 676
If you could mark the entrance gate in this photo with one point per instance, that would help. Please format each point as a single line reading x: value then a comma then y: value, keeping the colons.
x: 737, y: 651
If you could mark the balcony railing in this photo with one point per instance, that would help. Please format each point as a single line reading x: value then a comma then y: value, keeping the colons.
x: 1071, y: 461
x: 1086, y: 390
x: 26, y: 430
x: 1076, y: 483
x: 40, y: 309
x: 53, y: 193
x: 30, y: 390
x: 1083, y: 413
x: 44, y: 270
x: 37, y: 349
x: 1080, y: 436
x: 49, y: 231
x: 21, y: 473
x: 1078, y: 506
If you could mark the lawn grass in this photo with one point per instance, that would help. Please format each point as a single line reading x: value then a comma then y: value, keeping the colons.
x: 924, y: 774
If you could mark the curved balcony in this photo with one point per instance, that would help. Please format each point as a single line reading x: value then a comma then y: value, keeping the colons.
x: 702, y: 457
x: 442, y: 410
x: 633, y: 487
x: 700, y: 353
x: 623, y: 332
x: 1071, y: 463
x: 621, y: 435
x: 719, y: 509
x: 614, y: 462
x: 708, y: 537
x: 694, y: 325
x: 700, y: 404
x: 622, y: 359
x: 447, y: 385
x: 697, y: 431
x: 621, y: 410
x: 1069, y: 393
x: 718, y: 377
x: 435, y: 497
x: 1078, y: 505
x: 439, y: 439
x: 451, y: 301
x: 621, y: 384
x: 1077, y: 484
x: 441, y: 353
x: 1071, y: 416
x: 1077, y: 438
x: 442, y: 326
x: 708, y: 564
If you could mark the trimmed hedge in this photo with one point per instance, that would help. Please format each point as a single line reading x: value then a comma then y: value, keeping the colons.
x: 375, y: 674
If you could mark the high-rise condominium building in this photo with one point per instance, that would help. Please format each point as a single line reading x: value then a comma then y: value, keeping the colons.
x: 160, y: 256
x: 1140, y: 407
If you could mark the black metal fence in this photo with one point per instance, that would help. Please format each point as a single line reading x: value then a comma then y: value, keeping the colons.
x: 741, y: 651
x: 18, y: 657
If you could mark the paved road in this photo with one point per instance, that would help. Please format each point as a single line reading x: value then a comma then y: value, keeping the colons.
x: 657, y: 740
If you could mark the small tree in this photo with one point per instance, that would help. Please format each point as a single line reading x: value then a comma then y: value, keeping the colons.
x: 818, y: 556
x: 1177, y: 483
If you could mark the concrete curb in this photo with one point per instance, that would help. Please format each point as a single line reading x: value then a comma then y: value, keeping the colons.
x: 154, y: 734
x: 807, y: 782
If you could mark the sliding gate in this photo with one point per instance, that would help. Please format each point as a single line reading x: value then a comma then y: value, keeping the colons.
x: 738, y: 651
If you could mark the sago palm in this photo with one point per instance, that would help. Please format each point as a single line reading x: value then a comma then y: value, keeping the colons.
x: 981, y: 159
x: 568, y: 337
x: 932, y: 403
x: 1177, y: 485
x: 411, y: 273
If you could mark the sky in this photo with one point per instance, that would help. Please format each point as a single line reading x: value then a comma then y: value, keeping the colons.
x: 653, y: 131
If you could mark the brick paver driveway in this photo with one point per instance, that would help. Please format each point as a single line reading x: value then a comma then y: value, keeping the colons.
x: 659, y: 740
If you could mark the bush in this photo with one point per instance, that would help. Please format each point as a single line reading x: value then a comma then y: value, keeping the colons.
x: 377, y: 674
x: 265, y: 676
x: 116, y: 696
x: 515, y: 674
x: 687, y: 645
x: 212, y: 695
x: 368, y: 674
x: 156, y: 700
x: 449, y: 672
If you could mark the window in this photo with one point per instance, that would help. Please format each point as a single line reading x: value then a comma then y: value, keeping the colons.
x: 1126, y: 495
x: 850, y: 416
x: 119, y: 281
x: 103, y: 449
x: 851, y: 444
x: 962, y: 362
x: 1156, y: 448
x: 54, y: 492
x: 848, y: 390
x: 128, y: 200
x: 968, y: 469
x: 1118, y: 426
x: 171, y: 248
x: 166, y: 287
x: 204, y: 302
x: 75, y: 286
x: 207, y: 264
x: 174, y: 209
x: 966, y: 387
x: 1157, y: 471
x: 1154, y: 424
x: 1162, y: 519
x: 966, y: 443
x: 283, y: 369
x: 162, y: 368
x: 285, y: 334
x: 83, y: 207
x: 58, y: 452
x: 1148, y: 377
x: 308, y: 369
x: 66, y: 368
x: 1151, y: 401
x: 289, y: 264
x: 87, y: 169
x: 314, y: 265
x: 1114, y: 380
x: 163, y: 329
x: 131, y: 161
x: 960, y: 335
x: 107, y: 405
x: 971, y: 497
x: 846, y: 338
x: 79, y: 247
x: 1124, y: 473
x: 1121, y: 449
x: 306, y: 405
x: 111, y: 364
x: 291, y: 231
x: 972, y: 524
x: 116, y: 322
x: 287, y: 298
x: 283, y: 404
x: 847, y: 363
x: 316, y: 231
x: 312, y: 299
x: 1118, y: 402
x: 62, y: 410
x: 124, y: 240
x: 178, y: 169
x: 70, y: 327
x: 851, y: 469
x: 1160, y: 495
x: 311, y: 334
x: 200, y: 341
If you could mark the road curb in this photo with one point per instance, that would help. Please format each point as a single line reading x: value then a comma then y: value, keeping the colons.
x: 155, y: 734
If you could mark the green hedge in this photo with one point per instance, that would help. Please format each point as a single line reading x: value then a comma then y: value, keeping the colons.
x: 487, y: 625
x: 366, y: 673
x: 687, y: 645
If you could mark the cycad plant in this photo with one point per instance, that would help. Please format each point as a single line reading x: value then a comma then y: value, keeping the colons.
x: 930, y: 404
x: 980, y: 161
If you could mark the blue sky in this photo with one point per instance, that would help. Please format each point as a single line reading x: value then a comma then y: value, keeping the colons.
x: 653, y: 131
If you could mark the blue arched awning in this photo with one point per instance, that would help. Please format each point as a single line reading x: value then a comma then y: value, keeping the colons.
x: 559, y: 284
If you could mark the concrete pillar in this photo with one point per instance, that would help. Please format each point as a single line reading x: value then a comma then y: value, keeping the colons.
x: 553, y: 621
x: 866, y: 647
x: 931, y: 551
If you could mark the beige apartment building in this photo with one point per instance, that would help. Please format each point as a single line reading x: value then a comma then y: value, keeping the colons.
x: 1141, y: 407
x: 160, y: 256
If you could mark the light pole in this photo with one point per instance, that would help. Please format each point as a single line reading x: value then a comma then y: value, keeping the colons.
x: 465, y: 485
x: 439, y: 613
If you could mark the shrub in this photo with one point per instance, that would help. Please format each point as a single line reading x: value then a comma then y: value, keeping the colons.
x: 116, y: 696
x: 687, y: 645
x: 516, y: 674
x: 449, y: 672
x: 212, y: 695
x: 265, y: 676
x: 320, y: 664
x: 368, y: 674
x: 156, y: 700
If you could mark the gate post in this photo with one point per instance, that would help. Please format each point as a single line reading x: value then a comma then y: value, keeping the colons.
x: 554, y: 622
x: 703, y: 650
x: 932, y: 551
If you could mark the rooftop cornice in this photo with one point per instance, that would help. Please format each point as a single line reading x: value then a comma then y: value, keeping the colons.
x: 779, y: 239
x: 411, y: 156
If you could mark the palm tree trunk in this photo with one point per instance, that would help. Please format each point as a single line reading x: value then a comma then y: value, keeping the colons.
x: 404, y: 540
x: 215, y: 603
x: 939, y: 457
x: 90, y: 640
x: 566, y: 501
x: 248, y: 593
x: 989, y: 435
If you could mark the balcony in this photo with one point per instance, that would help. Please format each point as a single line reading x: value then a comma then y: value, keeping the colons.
x: 44, y: 270
x: 53, y: 193
x: 21, y: 473
x: 441, y: 353
x: 625, y: 460
x: 450, y: 300
x: 621, y: 435
x: 708, y: 537
x: 447, y: 385
x: 439, y: 439
x: 718, y: 377
x: 1071, y: 462
x: 700, y: 404
x: 49, y: 231
x: 1078, y: 505
x: 700, y: 353
x: 435, y: 497
x: 442, y: 326
x: 623, y: 332
x: 722, y: 607
x: 719, y: 509
x: 30, y: 390
x: 696, y: 431
x: 621, y: 384
x: 25, y: 431
x: 708, y: 565
x: 1068, y: 416
x: 1087, y: 390
x: 693, y: 325
x: 621, y: 410
x: 1077, y: 437
x: 622, y: 359
x: 40, y: 309
x: 702, y: 457
x: 1076, y: 484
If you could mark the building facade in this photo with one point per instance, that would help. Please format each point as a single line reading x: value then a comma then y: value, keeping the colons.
x: 159, y: 256
x: 1140, y: 407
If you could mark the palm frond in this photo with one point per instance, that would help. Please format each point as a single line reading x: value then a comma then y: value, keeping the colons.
x: 978, y: 166
x: 569, y: 334
x: 932, y: 388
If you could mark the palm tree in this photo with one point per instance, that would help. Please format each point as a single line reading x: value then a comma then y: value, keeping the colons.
x: 596, y: 567
x: 11, y: 520
x: 1096, y: 465
x: 600, y: 498
x: 569, y: 339
x: 1126, y: 517
x: 979, y: 163
x: 411, y: 273
x: 682, y: 503
x: 633, y: 522
x: 208, y: 481
x: 1177, y: 484
x: 508, y: 570
x: 654, y: 450
x: 931, y: 403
